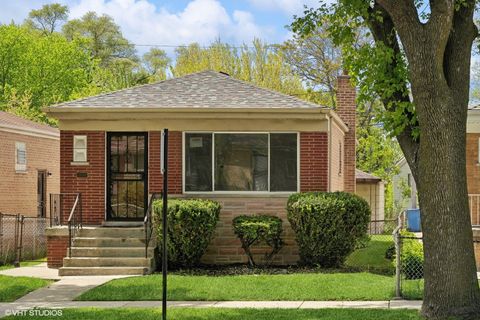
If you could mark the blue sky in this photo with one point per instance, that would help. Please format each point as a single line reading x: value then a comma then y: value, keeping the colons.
x: 179, y: 22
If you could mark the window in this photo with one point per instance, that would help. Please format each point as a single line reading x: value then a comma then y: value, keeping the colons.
x: 20, y: 156
x: 241, y: 162
x: 79, y: 148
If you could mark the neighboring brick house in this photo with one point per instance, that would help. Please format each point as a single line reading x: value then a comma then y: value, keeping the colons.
x: 473, y: 173
x: 29, y: 165
x: 241, y: 145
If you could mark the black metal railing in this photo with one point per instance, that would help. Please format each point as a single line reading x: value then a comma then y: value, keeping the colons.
x: 148, y: 222
x: 74, y: 222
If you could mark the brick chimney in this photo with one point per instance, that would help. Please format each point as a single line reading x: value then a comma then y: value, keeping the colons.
x: 346, y: 111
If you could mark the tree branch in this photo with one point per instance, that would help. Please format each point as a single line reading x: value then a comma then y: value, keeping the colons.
x: 383, y: 30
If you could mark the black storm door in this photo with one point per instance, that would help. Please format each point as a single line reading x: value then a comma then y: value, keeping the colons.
x: 127, y: 175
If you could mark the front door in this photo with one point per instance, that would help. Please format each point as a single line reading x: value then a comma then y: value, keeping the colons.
x: 126, y: 175
x: 42, y: 193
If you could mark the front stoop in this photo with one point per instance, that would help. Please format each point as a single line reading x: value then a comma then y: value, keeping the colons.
x: 109, y: 251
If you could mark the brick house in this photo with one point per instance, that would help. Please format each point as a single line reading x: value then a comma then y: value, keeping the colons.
x: 473, y: 174
x: 241, y: 145
x: 29, y: 165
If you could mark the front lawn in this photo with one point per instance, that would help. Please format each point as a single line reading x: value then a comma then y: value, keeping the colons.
x: 300, y: 286
x: 228, y: 314
x: 372, y: 257
x: 12, y: 288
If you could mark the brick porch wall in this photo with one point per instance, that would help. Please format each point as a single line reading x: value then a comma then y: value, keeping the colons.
x: 57, y: 247
x: 225, y: 248
x: 92, y: 186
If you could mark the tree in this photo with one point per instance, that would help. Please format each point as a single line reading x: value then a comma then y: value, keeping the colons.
x: 156, y: 62
x: 261, y: 64
x: 47, y: 18
x: 317, y: 60
x: 38, y: 70
x: 418, y: 63
x: 104, y: 40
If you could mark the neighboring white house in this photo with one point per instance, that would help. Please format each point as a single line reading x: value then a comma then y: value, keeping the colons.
x: 404, y: 188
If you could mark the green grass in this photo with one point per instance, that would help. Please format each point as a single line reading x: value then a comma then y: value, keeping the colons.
x: 412, y: 289
x: 301, y: 286
x: 24, y: 264
x: 229, y: 314
x: 12, y: 288
x: 372, y: 257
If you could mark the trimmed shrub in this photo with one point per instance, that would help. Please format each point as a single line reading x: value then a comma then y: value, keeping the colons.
x: 328, y: 225
x: 256, y: 229
x: 191, y: 223
x: 411, y: 256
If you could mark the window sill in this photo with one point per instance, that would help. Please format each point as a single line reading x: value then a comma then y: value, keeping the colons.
x: 247, y: 194
x: 21, y: 171
x: 77, y: 163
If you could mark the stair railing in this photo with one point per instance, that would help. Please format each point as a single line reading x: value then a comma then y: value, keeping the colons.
x: 148, y: 221
x: 74, y: 222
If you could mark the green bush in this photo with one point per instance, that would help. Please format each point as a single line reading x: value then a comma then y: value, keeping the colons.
x: 258, y: 229
x: 327, y: 225
x: 411, y: 256
x: 191, y: 223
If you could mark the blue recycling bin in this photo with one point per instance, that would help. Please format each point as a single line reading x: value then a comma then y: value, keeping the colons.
x: 413, y: 220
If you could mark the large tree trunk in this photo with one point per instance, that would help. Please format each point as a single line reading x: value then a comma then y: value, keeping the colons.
x: 451, y: 285
x: 438, y: 54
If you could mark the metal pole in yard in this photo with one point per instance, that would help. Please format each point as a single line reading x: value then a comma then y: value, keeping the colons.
x: 164, y: 220
x: 398, y: 263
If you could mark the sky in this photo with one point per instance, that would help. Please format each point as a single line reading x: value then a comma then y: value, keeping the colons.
x: 180, y: 22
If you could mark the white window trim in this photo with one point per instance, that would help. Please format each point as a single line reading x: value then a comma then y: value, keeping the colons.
x: 213, y: 164
x: 76, y: 162
x: 20, y: 167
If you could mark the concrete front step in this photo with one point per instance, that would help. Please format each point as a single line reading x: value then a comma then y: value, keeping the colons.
x: 107, y: 262
x: 131, y: 252
x: 110, y: 242
x: 112, y: 232
x: 102, y: 271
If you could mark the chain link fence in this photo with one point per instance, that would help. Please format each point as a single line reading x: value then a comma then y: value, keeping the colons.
x: 408, y: 261
x: 22, y: 238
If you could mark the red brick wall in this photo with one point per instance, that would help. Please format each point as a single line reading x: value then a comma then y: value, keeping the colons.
x: 92, y: 187
x: 56, y: 250
x: 473, y: 167
x: 18, y: 190
x: 155, y: 179
x: 346, y: 110
x: 313, y: 161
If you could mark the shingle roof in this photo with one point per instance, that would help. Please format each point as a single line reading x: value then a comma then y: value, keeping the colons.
x: 206, y: 89
x: 10, y: 121
x: 363, y: 176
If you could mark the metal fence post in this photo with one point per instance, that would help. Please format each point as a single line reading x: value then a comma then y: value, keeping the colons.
x: 398, y: 265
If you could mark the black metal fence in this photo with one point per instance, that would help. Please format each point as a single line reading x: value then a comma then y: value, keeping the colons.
x: 22, y: 238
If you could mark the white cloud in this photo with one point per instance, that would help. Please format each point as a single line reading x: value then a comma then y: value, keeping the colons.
x: 289, y: 7
x: 200, y: 21
x: 142, y: 22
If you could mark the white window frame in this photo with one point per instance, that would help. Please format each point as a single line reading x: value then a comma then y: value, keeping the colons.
x: 184, y: 133
x: 20, y: 167
x: 77, y: 138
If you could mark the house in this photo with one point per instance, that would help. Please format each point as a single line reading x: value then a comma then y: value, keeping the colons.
x: 404, y: 188
x: 473, y: 174
x: 248, y: 148
x: 372, y: 189
x: 29, y: 165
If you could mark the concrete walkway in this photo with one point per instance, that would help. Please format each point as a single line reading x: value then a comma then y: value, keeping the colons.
x: 38, y: 271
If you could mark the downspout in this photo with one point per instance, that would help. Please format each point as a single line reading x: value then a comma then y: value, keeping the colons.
x: 329, y: 183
